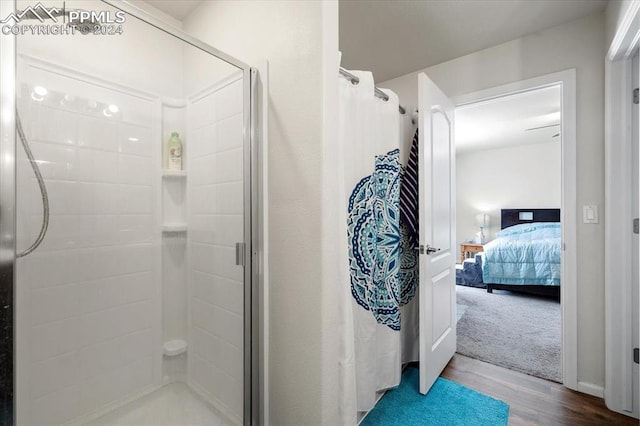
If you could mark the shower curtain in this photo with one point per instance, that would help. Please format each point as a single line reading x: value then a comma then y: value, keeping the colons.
x: 373, y: 291
x: 410, y: 331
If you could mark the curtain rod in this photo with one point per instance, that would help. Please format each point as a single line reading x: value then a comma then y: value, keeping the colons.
x: 379, y: 93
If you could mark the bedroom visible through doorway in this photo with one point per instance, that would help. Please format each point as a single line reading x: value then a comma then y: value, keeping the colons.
x: 509, y: 199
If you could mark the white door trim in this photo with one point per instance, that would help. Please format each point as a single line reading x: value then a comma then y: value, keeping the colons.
x: 568, y: 289
x: 618, y: 238
x: 618, y: 186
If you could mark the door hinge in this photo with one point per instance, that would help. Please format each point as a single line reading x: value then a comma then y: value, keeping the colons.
x: 636, y: 355
x: 636, y: 226
x: 636, y: 96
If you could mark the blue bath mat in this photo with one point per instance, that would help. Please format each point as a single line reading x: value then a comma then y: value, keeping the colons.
x: 446, y: 404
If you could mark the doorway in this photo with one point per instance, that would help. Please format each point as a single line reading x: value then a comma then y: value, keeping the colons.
x: 564, y: 84
x: 508, y: 157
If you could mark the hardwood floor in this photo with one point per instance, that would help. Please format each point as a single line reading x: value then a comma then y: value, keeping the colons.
x: 532, y: 401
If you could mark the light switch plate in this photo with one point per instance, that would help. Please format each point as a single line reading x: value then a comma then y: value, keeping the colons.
x: 590, y: 213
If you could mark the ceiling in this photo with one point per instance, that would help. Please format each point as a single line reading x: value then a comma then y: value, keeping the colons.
x: 503, y: 122
x: 393, y: 38
x: 178, y: 9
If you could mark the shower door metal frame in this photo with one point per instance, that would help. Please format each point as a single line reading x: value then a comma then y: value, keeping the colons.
x: 7, y: 218
x: 252, y: 208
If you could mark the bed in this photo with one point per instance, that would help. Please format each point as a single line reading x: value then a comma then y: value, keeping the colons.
x: 526, y: 255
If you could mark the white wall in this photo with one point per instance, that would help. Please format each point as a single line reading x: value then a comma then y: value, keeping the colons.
x: 579, y: 44
x: 615, y: 12
x: 289, y: 35
x: 524, y: 176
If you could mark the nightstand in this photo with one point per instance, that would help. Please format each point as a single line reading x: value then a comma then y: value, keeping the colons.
x: 468, y: 250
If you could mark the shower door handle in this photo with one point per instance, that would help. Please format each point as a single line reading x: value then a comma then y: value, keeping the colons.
x: 240, y: 254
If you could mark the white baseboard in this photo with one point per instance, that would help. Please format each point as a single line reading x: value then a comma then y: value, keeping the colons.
x: 591, y: 389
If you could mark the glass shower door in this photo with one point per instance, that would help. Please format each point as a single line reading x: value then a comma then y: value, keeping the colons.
x: 132, y: 309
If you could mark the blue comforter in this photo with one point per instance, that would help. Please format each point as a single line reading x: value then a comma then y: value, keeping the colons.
x: 524, y: 254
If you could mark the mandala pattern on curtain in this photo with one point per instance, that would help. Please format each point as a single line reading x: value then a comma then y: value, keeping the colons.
x: 408, y: 266
x: 374, y: 241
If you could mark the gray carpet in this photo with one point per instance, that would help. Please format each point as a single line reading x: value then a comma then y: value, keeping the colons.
x: 516, y: 331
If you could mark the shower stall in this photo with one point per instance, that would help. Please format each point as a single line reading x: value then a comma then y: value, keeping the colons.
x: 128, y: 289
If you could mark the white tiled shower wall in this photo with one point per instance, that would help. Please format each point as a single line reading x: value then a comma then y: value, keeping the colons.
x: 215, y: 158
x: 88, y: 298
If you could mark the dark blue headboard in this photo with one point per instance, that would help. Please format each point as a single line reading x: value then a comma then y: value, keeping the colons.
x: 512, y: 217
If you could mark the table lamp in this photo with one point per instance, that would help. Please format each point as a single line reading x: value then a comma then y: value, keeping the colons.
x: 482, y: 221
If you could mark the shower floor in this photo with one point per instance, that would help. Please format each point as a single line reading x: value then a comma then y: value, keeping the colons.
x: 174, y: 404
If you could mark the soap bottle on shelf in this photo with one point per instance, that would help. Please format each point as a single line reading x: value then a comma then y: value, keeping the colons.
x: 175, y: 152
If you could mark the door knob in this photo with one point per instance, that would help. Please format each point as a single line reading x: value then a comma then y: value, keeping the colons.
x: 428, y: 250
x: 431, y: 249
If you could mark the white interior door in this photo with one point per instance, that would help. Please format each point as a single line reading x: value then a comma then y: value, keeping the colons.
x: 437, y: 232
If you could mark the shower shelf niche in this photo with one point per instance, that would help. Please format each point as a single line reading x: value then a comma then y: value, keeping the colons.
x: 169, y: 174
x: 174, y: 227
